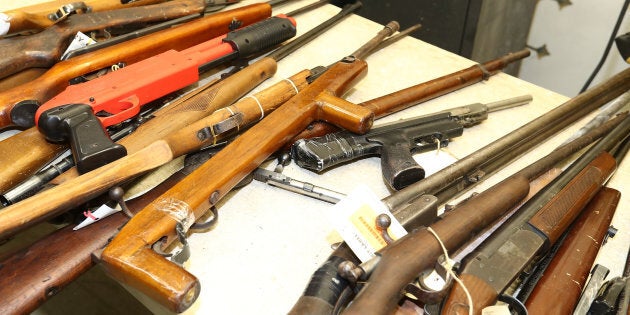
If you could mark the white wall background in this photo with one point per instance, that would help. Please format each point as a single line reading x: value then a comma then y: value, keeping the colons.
x: 576, y: 36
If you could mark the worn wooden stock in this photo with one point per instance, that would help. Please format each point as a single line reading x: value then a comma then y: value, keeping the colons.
x: 397, y: 101
x: 157, y: 142
x: 20, y: 78
x: 35, y: 17
x: 178, y: 38
x: 559, y: 289
x: 129, y: 257
x: 44, y: 49
x: 387, y: 280
x: 551, y: 220
x: 56, y: 79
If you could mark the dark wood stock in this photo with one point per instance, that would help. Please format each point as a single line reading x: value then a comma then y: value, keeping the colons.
x: 151, y: 145
x: 129, y: 257
x: 55, y: 79
x: 387, y: 280
x: 559, y: 289
x: 44, y: 49
x: 552, y: 220
x: 178, y: 38
x: 399, y: 100
x: 35, y: 274
x: 35, y: 17
x: 556, y: 216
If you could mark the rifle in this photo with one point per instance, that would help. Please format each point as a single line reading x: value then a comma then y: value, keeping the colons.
x: 44, y: 49
x: 537, y: 225
x: 176, y: 130
x: 396, y: 142
x: 128, y: 258
x: 408, y: 205
x: 56, y: 79
x: 36, y: 17
x: 558, y: 290
x: 71, y: 116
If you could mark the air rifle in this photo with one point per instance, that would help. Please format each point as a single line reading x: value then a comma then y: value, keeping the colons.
x: 559, y: 288
x: 178, y: 129
x: 323, y: 292
x: 39, y: 16
x: 129, y: 257
x: 395, y: 142
x: 44, y: 49
x: 534, y: 228
x: 72, y: 115
x: 30, y: 141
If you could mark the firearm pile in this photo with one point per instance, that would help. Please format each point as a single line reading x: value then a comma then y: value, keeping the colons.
x: 139, y: 121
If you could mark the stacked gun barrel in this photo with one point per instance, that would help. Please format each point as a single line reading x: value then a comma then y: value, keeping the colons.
x: 238, y: 157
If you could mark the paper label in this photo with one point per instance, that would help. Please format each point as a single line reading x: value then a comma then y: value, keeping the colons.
x: 354, y: 217
x: 5, y: 24
x: 80, y: 40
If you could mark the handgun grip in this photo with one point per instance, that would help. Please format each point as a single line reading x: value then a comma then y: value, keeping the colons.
x: 398, y: 166
x: 321, y: 153
x: 76, y: 123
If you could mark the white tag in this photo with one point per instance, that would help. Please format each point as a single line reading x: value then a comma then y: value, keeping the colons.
x: 100, y: 213
x: 80, y: 40
x: 434, y: 161
x: 354, y: 217
x: 5, y: 24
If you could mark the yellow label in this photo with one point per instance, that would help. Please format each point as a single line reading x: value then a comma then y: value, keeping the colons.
x: 364, y: 220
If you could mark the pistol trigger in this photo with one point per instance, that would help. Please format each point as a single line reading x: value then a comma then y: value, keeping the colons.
x: 67, y: 9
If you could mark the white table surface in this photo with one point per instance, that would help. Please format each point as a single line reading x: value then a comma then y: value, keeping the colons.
x: 268, y: 242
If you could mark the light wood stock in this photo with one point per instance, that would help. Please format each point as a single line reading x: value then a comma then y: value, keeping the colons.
x: 559, y: 289
x: 35, y: 17
x: 419, y: 250
x: 149, y: 150
x: 193, y: 196
x: 44, y: 49
x: 55, y: 79
x: 178, y: 38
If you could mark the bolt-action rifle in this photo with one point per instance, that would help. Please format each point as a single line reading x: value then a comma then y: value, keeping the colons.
x: 129, y: 256
x: 559, y: 288
x: 176, y: 130
x: 56, y: 79
x: 395, y: 142
x: 325, y: 289
x: 44, y: 49
x: 39, y: 16
x: 534, y: 228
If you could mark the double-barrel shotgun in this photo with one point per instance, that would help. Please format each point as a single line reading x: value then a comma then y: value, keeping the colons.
x: 129, y: 257
x: 327, y: 288
x: 44, y: 49
x: 28, y: 150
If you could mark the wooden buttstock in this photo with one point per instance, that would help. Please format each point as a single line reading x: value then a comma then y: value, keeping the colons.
x: 481, y: 294
x: 44, y: 49
x: 35, y: 17
x: 190, y: 199
x: 556, y: 216
x: 559, y: 289
x: 403, y: 260
x: 181, y: 37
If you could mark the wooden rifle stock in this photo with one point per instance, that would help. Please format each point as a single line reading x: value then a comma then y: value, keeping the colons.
x: 551, y: 221
x: 44, y: 49
x: 559, y: 289
x: 397, y: 101
x: 56, y: 79
x: 129, y: 257
x: 36, y: 17
x: 177, y: 38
